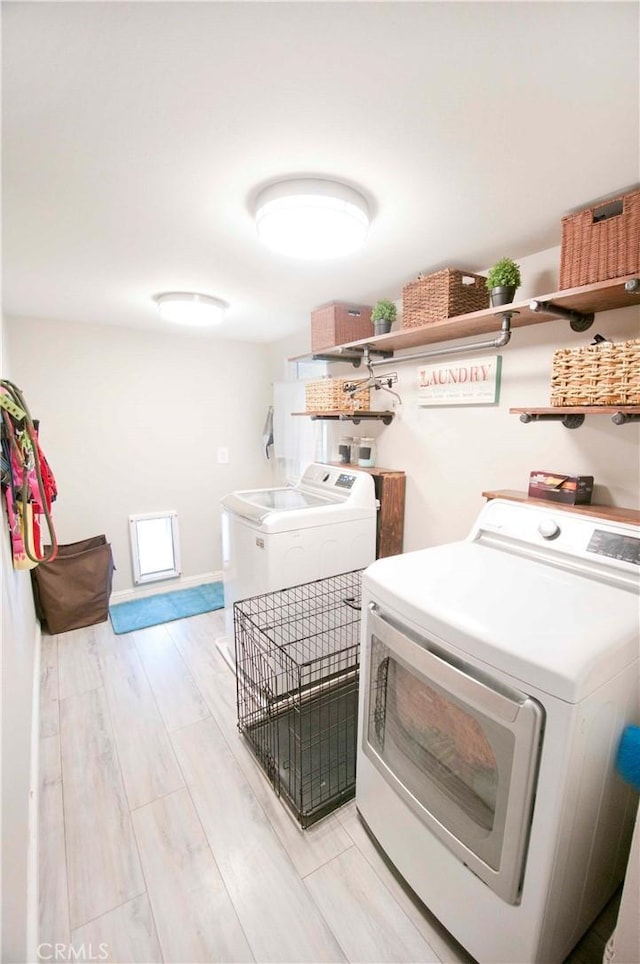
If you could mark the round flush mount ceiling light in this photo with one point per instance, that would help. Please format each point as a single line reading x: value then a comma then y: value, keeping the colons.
x: 186, y: 308
x: 312, y: 218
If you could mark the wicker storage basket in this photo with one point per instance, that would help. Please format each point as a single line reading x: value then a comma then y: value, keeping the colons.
x: 328, y: 395
x: 601, y: 242
x: 339, y: 323
x: 441, y: 295
x: 604, y: 374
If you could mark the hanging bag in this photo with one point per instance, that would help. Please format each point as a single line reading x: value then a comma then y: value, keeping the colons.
x: 73, y: 590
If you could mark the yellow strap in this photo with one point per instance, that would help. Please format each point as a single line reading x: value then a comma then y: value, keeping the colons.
x: 12, y: 407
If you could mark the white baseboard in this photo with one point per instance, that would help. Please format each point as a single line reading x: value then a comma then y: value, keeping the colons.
x: 33, y: 858
x: 225, y: 647
x: 169, y: 585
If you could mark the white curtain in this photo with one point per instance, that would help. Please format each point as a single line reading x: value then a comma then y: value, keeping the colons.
x: 297, y: 440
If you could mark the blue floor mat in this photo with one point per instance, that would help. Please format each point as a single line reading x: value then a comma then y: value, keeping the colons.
x: 126, y: 617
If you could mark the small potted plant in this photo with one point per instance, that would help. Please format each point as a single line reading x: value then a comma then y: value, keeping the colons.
x: 502, y: 281
x: 383, y: 316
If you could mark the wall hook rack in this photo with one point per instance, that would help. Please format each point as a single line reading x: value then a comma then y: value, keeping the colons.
x: 578, y: 320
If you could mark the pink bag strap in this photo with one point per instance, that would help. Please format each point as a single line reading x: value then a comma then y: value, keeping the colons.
x: 26, y: 460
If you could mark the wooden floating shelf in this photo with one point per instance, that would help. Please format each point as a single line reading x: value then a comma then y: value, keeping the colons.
x: 572, y: 416
x: 355, y: 417
x: 613, y: 513
x: 602, y: 296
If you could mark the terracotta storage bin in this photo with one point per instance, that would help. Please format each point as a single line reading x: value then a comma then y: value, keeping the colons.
x: 601, y: 242
x: 338, y: 323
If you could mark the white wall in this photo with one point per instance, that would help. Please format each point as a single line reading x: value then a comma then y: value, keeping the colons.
x: 451, y: 454
x: 131, y: 422
x: 20, y: 649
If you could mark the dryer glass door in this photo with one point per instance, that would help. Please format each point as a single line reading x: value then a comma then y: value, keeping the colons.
x: 461, y: 750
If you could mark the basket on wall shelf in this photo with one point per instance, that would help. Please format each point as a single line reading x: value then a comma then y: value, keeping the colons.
x: 444, y: 294
x: 328, y: 395
x: 601, y: 242
x: 602, y: 374
x: 338, y: 323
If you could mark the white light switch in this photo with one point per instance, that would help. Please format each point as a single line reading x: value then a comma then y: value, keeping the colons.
x: 223, y: 455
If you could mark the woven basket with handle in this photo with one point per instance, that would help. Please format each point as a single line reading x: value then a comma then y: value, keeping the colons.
x: 328, y: 395
x: 603, y: 374
x: 444, y: 294
x: 601, y: 242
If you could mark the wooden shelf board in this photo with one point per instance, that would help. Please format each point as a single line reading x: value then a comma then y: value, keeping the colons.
x: 613, y: 513
x: 347, y: 416
x: 603, y: 296
x: 561, y: 410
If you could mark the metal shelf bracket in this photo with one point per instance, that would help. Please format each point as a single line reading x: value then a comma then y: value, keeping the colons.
x: 356, y: 417
x: 569, y: 421
x: 578, y: 320
x: 621, y: 418
x: 356, y: 354
x: 575, y: 420
x: 353, y: 355
x: 386, y: 418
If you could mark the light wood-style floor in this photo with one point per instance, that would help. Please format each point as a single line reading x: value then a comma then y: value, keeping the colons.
x: 161, y: 839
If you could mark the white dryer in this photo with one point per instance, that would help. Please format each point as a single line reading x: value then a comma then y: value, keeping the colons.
x: 281, y: 537
x: 497, y: 675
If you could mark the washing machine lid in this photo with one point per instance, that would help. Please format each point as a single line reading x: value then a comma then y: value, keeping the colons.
x: 547, y: 627
x: 257, y: 504
x: 325, y: 494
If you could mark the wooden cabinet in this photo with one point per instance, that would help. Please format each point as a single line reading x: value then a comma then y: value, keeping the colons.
x: 390, y: 489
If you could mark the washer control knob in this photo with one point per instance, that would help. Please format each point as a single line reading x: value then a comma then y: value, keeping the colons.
x: 549, y: 529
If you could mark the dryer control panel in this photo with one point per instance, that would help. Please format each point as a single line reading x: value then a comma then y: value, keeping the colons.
x: 563, y: 538
x: 345, y: 481
x: 615, y: 546
x: 329, y: 482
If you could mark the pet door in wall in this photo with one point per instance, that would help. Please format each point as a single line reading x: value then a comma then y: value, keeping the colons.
x: 155, y: 547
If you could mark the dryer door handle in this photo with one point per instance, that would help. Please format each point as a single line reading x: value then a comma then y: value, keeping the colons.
x: 461, y: 683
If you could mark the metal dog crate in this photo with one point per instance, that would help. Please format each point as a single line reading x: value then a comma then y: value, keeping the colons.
x: 297, y: 657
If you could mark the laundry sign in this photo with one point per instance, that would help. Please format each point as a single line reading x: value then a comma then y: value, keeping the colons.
x: 468, y: 381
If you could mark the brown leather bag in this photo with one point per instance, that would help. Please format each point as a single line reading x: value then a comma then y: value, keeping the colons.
x: 73, y: 591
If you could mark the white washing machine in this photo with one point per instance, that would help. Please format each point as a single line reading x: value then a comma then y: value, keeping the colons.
x: 281, y: 537
x: 497, y: 675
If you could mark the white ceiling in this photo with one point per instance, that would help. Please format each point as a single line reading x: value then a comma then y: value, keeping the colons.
x: 135, y: 136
